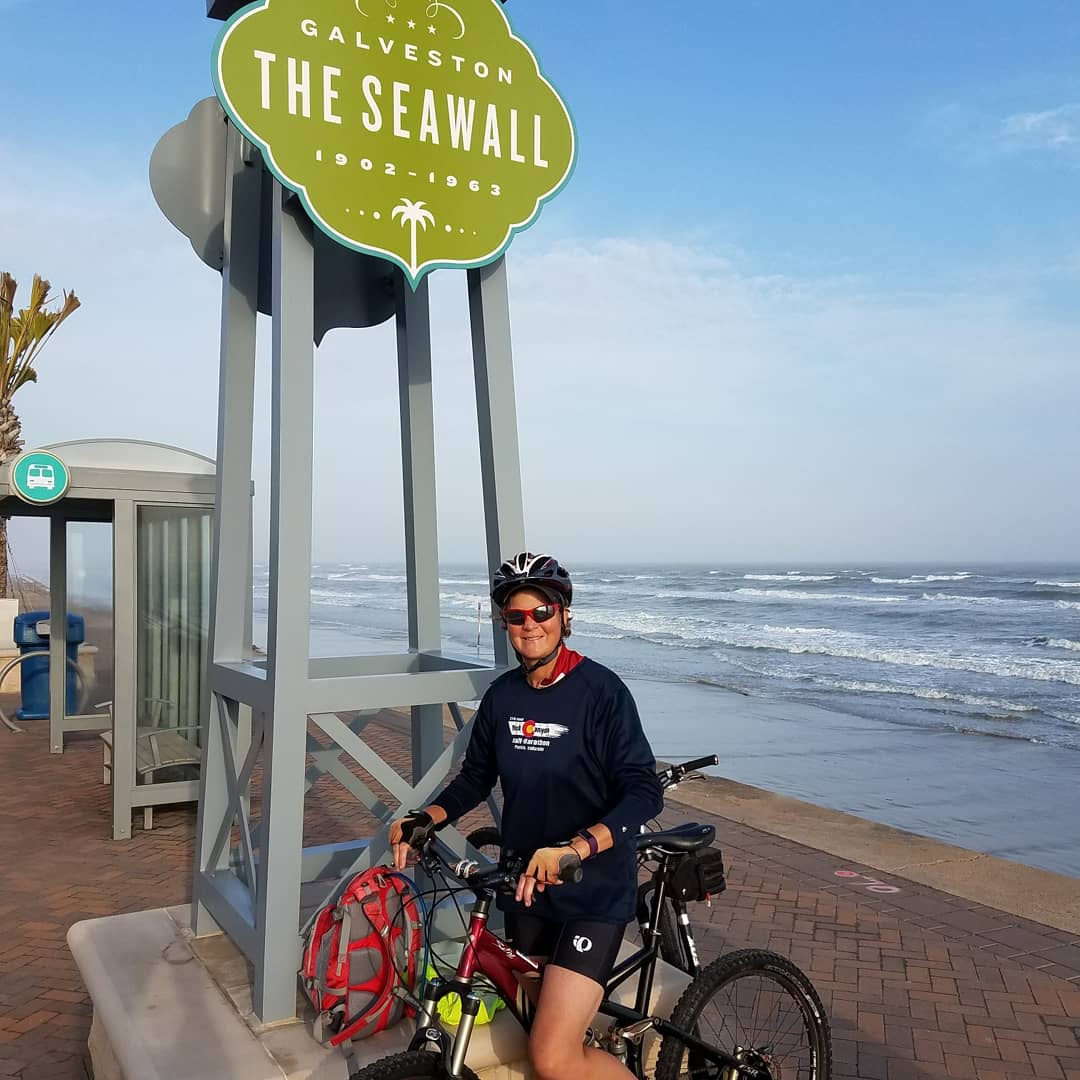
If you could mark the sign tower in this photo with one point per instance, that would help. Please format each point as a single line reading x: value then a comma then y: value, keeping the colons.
x: 354, y: 147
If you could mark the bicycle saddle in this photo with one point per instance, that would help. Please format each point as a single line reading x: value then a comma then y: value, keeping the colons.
x: 689, y: 837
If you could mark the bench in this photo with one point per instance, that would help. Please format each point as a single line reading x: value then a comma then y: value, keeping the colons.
x: 155, y: 748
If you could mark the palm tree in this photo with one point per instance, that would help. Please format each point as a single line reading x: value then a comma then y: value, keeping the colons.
x: 23, y: 334
x: 413, y: 214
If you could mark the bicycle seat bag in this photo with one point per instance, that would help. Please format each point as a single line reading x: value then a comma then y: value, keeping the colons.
x: 362, y: 957
x: 699, y: 876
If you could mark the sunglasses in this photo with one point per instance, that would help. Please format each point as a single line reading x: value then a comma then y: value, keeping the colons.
x: 541, y: 614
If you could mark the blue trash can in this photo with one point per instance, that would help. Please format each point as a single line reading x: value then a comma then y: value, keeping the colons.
x: 30, y: 638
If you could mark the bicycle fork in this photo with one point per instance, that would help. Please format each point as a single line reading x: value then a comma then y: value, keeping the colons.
x: 429, y: 1033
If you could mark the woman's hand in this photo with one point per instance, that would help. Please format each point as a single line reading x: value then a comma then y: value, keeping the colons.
x: 543, y: 870
x: 408, y: 833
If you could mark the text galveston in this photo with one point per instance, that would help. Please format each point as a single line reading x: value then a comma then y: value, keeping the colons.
x: 409, y: 113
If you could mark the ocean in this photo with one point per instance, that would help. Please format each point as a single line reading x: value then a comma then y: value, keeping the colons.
x: 943, y: 699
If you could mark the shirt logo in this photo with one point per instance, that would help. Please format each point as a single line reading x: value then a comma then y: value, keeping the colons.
x: 530, y: 729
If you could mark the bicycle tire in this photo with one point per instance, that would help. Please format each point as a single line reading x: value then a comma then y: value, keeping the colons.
x: 487, y: 836
x: 672, y: 947
x: 721, y: 974
x: 414, y: 1065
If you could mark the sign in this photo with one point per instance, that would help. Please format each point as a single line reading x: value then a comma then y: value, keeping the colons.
x: 39, y: 477
x: 422, y: 132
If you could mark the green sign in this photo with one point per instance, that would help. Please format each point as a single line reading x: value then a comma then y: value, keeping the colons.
x: 39, y: 477
x: 422, y: 132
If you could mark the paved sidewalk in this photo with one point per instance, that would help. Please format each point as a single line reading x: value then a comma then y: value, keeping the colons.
x: 917, y: 983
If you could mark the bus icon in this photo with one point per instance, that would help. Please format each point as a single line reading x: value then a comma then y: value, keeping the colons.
x: 40, y: 476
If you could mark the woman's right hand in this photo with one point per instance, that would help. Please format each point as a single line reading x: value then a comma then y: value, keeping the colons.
x: 408, y: 833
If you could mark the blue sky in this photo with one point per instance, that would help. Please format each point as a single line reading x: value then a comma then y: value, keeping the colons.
x: 811, y: 293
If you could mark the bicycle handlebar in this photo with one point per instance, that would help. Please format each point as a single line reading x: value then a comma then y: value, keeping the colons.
x: 675, y: 773
x: 500, y: 878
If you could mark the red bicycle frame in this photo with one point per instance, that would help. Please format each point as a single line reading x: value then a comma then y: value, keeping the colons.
x: 492, y: 956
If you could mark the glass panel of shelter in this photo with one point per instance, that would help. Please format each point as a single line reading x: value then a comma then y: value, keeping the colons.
x: 172, y: 623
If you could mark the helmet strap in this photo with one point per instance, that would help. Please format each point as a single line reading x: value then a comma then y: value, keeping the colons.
x: 537, y: 664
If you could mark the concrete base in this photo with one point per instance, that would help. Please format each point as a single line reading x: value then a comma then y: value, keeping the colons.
x: 169, y: 1006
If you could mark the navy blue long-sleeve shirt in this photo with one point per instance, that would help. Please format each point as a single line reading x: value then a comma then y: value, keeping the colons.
x: 569, y: 756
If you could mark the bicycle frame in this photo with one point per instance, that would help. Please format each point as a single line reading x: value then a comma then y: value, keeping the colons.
x: 487, y: 954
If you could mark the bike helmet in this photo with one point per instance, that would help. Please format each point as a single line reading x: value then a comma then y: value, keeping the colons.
x: 526, y: 570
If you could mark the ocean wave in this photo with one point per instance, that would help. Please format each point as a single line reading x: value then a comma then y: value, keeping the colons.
x: 920, y: 579
x: 951, y: 598
x: 795, y: 594
x: 795, y: 640
x: 716, y: 684
x: 1061, y: 584
x: 1063, y: 643
x: 925, y: 693
x: 1012, y: 736
x: 791, y: 576
x: 1070, y: 605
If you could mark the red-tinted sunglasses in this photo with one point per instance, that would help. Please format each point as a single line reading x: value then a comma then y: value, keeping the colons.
x: 516, y: 616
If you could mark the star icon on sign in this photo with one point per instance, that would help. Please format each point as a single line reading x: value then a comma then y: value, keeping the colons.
x: 412, y: 24
x: 389, y: 18
x: 431, y: 29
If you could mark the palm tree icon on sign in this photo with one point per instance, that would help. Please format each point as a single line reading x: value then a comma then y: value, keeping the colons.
x: 413, y: 214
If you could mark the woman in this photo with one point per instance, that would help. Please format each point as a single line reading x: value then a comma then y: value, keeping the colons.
x: 562, y: 735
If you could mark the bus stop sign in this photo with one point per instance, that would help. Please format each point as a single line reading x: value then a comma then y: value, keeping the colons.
x: 39, y: 478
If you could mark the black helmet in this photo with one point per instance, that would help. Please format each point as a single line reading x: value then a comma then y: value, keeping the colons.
x: 527, y: 570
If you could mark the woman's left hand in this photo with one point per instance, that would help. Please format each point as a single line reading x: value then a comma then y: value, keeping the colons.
x: 543, y: 870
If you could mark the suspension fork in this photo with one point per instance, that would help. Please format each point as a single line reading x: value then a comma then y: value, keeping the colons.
x: 427, y: 1031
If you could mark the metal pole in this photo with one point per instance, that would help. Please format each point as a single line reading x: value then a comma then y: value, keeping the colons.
x: 124, y: 679
x: 57, y: 630
x: 421, y: 524
x: 284, y: 755
x: 500, y: 463
x: 230, y: 567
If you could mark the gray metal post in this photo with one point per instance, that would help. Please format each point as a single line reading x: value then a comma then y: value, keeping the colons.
x: 124, y: 690
x: 58, y: 610
x: 421, y: 519
x: 500, y: 463
x: 284, y: 761
x: 230, y: 624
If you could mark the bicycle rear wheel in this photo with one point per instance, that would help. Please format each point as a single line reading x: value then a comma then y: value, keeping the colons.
x: 415, y: 1065
x: 756, y: 1006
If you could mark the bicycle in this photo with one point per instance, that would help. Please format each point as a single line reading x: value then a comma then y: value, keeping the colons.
x: 677, y: 945
x: 747, y: 1052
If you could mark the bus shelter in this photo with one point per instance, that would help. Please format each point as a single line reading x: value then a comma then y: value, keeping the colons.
x: 159, y: 501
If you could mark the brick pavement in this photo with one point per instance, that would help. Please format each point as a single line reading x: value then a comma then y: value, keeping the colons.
x: 917, y: 983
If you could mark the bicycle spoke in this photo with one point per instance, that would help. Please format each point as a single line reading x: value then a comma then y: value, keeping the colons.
x: 755, y: 1013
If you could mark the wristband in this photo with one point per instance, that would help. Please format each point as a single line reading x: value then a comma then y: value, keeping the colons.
x: 594, y: 845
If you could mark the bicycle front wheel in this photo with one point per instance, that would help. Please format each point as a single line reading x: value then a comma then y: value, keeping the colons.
x: 758, y: 1007
x: 415, y: 1065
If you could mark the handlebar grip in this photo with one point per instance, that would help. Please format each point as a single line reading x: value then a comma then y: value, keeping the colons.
x: 699, y: 763
x: 570, y: 870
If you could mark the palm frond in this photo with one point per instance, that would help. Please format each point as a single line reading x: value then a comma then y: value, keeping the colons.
x: 23, y: 333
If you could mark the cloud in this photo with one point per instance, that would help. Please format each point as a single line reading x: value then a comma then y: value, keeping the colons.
x: 672, y: 403
x: 985, y: 137
x: 1057, y: 130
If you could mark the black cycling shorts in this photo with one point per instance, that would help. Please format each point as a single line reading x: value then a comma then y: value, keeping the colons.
x: 586, y: 946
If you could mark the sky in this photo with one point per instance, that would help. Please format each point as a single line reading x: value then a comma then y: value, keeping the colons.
x: 810, y: 295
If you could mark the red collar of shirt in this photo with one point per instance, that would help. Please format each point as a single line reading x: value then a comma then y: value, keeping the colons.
x: 565, y: 662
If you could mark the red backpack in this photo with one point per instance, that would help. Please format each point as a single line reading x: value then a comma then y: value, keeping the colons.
x: 361, y: 957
